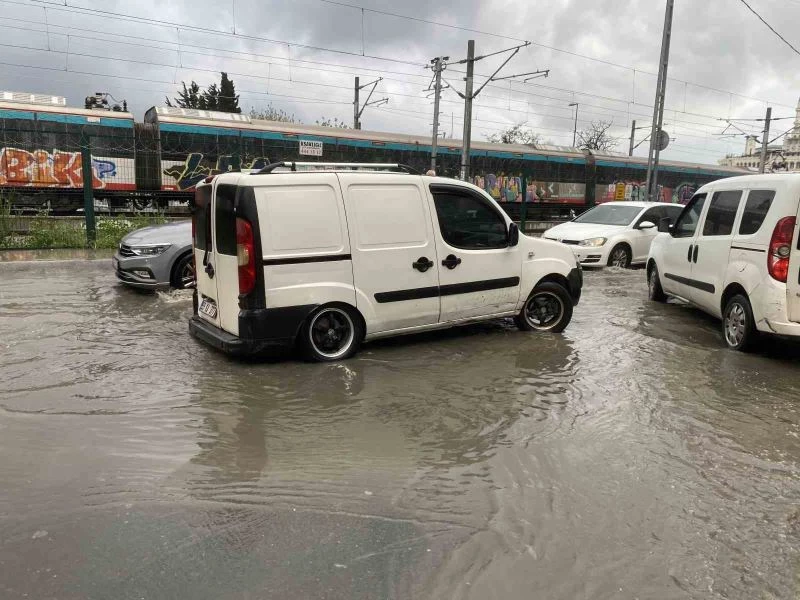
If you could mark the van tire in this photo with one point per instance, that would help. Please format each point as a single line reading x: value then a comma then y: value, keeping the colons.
x: 738, y: 326
x: 548, y: 308
x: 332, y: 332
x: 181, y: 271
x: 654, y: 290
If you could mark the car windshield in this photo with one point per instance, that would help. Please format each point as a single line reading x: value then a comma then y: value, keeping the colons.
x: 610, y: 214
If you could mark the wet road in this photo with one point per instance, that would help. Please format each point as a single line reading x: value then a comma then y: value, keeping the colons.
x: 631, y: 457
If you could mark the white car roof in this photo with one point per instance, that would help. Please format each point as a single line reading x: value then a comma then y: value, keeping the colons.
x: 632, y: 203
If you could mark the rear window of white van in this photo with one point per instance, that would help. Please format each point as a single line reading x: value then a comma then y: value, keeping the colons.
x: 755, y: 210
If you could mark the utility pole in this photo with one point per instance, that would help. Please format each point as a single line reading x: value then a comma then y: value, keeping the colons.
x: 439, y: 65
x: 765, y: 141
x: 468, y: 97
x: 633, y: 133
x: 358, y: 112
x: 575, y: 128
x: 658, y: 107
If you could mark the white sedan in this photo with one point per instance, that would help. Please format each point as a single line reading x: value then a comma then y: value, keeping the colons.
x: 615, y: 234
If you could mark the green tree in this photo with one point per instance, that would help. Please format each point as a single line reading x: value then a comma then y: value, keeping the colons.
x: 220, y: 97
x: 189, y: 97
x: 228, y: 100
x: 336, y: 123
x: 270, y: 113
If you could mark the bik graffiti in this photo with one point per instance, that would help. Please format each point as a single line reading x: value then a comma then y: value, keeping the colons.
x: 195, y: 169
x: 51, y: 169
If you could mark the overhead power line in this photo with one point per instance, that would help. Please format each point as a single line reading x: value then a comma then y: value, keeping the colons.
x: 66, y: 7
x: 771, y: 28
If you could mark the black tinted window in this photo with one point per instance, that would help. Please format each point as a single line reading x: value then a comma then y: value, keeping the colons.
x: 225, y: 232
x: 687, y: 222
x: 722, y: 213
x: 755, y: 210
x: 469, y: 222
x: 200, y: 214
x: 673, y: 211
x: 654, y: 215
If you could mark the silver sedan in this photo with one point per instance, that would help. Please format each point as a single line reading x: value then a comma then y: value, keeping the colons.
x: 156, y: 257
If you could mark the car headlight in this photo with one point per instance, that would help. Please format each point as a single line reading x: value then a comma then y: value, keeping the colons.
x: 151, y: 250
x: 593, y: 242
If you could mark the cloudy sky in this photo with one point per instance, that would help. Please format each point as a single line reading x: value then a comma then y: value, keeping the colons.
x: 302, y: 56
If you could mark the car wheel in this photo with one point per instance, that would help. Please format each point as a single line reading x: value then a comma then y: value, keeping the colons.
x: 620, y: 256
x: 738, y: 325
x: 548, y: 308
x: 331, y: 333
x: 654, y: 290
x: 183, y: 275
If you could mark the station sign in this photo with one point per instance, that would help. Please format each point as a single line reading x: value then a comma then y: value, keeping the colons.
x: 310, y: 148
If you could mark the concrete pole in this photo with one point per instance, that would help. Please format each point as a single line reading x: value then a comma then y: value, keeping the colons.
x: 465, y: 164
x: 658, y: 106
x: 356, y: 124
x: 765, y: 141
x: 633, y: 133
x: 437, y: 68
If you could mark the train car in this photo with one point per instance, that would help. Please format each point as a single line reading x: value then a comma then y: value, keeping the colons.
x: 195, y: 144
x: 40, y: 152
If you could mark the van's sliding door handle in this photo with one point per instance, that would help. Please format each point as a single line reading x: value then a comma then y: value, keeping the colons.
x: 422, y: 264
x: 689, y: 255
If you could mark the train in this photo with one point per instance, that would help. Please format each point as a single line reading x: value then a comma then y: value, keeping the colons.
x: 156, y: 163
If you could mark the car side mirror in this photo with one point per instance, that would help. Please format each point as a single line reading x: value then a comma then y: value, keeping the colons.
x: 665, y: 225
x: 646, y: 225
x: 513, y: 235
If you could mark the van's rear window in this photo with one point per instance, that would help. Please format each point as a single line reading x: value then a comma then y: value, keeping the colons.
x: 225, y: 234
x: 200, y: 214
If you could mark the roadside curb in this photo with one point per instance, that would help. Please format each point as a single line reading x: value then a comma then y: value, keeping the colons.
x: 60, y: 256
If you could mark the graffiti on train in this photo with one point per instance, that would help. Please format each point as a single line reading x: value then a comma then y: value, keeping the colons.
x: 196, y: 168
x: 509, y: 188
x: 636, y: 191
x: 52, y: 169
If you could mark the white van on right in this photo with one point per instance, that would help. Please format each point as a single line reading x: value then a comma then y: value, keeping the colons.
x: 734, y: 253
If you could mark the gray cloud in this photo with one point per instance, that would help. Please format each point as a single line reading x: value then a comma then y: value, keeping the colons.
x: 715, y: 44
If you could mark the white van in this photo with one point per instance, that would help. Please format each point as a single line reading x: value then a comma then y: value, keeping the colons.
x: 733, y: 252
x: 329, y: 255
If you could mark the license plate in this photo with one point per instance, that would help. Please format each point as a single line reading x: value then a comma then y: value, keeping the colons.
x: 208, y: 308
x: 114, y: 263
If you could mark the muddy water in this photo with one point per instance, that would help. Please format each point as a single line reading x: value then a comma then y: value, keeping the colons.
x: 630, y: 457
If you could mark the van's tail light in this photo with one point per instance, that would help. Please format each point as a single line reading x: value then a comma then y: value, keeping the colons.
x: 246, y: 256
x: 780, y: 247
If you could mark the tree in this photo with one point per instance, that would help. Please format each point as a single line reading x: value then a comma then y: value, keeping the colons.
x: 273, y: 114
x: 189, y: 97
x: 515, y: 135
x: 228, y: 100
x: 596, y: 137
x: 220, y: 97
x: 326, y: 122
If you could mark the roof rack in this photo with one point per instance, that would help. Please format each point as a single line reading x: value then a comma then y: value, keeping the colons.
x: 336, y: 166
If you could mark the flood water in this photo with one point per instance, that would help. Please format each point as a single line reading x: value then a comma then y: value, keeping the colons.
x: 630, y: 457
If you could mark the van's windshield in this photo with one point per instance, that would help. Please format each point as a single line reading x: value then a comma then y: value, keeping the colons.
x: 610, y: 214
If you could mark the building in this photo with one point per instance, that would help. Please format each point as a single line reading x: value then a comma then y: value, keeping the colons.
x: 780, y: 157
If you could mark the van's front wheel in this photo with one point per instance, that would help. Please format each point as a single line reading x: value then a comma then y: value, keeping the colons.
x: 548, y: 308
x: 331, y: 333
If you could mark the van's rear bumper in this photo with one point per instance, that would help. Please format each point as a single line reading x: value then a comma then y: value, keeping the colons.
x: 220, y: 339
x: 259, y: 330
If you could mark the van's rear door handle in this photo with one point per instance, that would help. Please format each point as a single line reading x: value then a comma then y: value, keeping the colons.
x: 209, y: 270
x: 422, y: 264
x: 696, y: 248
x: 451, y: 262
x: 689, y: 255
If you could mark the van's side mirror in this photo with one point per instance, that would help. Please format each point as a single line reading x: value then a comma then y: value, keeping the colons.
x: 513, y: 235
x: 665, y: 225
x: 646, y: 225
